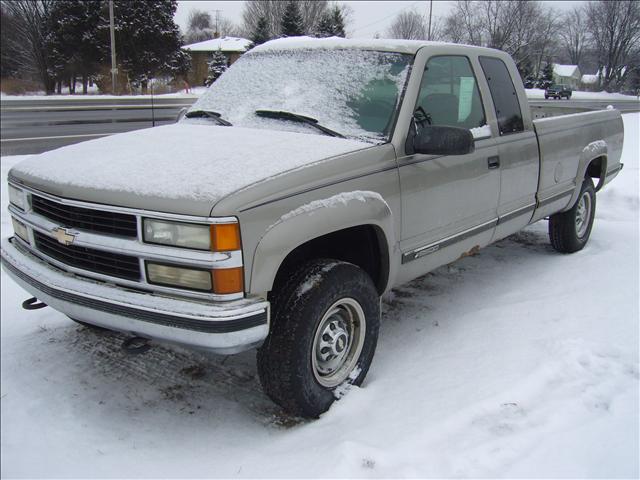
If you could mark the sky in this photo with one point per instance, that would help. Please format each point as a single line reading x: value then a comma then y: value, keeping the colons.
x: 368, y: 17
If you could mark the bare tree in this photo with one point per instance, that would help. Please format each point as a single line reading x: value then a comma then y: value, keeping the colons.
x: 574, y: 35
x: 409, y: 25
x: 29, y: 21
x: 201, y: 26
x: 615, y: 28
x: 273, y: 10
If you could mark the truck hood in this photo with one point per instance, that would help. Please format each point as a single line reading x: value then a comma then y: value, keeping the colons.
x: 179, y: 168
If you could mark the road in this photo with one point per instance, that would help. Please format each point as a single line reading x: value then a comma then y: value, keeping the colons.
x: 35, y: 126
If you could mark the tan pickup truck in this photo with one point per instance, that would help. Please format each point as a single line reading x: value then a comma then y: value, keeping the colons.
x: 311, y: 178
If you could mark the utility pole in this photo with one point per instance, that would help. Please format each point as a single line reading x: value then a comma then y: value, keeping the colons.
x: 430, y: 12
x: 114, y: 68
x: 217, y: 22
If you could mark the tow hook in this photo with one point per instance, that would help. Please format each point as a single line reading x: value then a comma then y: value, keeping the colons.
x: 136, y: 345
x: 33, y: 304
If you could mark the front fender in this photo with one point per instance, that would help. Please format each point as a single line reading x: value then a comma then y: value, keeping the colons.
x: 313, y: 220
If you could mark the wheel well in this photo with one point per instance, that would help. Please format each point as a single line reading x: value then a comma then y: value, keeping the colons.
x: 364, y: 246
x: 597, y: 169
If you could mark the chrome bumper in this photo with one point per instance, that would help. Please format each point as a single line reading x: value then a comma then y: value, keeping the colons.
x: 221, y: 327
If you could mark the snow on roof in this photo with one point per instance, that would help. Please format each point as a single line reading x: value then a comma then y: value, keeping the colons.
x: 379, y: 44
x: 590, y: 79
x: 226, y: 44
x: 564, y: 70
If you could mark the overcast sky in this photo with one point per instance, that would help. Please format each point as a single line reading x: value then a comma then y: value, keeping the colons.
x: 368, y: 19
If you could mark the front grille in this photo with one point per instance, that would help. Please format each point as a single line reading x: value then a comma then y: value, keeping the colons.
x: 85, y: 218
x: 106, y: 263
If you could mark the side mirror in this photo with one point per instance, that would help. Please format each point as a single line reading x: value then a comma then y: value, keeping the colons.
x: 442, y: 140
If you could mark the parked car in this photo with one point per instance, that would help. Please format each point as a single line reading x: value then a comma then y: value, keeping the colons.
x: 311, y: 178
x: 558, y: 92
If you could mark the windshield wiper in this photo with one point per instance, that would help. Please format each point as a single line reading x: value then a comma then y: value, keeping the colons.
x: 295, y: 117
x: 208, y: 114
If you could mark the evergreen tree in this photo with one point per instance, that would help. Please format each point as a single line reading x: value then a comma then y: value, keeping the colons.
x: 325, y: 26
x: 547, y: 74
x: 292, y: 24
x: 217, y: 66
x: 338, y: 22
x: 261, y: 33
x: 147, y: 39
x: 71, y: 43
x: 331, y: 23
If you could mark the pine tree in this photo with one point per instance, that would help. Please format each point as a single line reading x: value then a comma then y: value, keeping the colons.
x: 147, y: 39
x: 292, y: 24
x: 217, y: 66
x: 261, y: 33
x: 547, y: 74
x: 325, y: 26
x: 338, y: 22
x: 71, y: 43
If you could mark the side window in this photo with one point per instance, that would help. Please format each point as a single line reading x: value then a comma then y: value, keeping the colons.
x: 449, y: 93
x: 504, y: 95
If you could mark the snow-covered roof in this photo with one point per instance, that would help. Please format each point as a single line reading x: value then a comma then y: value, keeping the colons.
x: 564, y: 70
x: 590, y: 79
x: 379, y: 44
x: 226, y: 44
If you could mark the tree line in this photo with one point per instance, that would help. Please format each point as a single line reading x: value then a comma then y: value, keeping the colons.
x: 61, y: 41
x: 598, y: 36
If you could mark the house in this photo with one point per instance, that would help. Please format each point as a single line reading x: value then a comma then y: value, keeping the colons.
x: 201, y: 52
x: 567, y: 75
x: 590, y: 82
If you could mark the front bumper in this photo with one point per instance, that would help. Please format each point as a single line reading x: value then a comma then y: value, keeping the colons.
x: 221, y: 327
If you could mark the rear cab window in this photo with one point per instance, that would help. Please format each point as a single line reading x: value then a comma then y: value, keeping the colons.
x: 504, y: 95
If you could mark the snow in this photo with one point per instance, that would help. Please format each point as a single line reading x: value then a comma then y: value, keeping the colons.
x: 481, y: 132
x: 195, y: 91
x: 334, y: 201
x: 536, y: 93
x: 214, y: 161
x: 348, y: 91
x: 336, y: 43
x: 590, y: 79
x: 225, y: 44
x: 564, y: 70
x: 515, y: 362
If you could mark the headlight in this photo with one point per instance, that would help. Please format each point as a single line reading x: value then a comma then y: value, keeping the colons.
x: 20, y: 229
x: 218, y: 237
x: 16, y: 197
x: 187, y: 235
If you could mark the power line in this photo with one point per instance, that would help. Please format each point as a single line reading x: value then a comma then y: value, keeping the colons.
x: 385, y: 18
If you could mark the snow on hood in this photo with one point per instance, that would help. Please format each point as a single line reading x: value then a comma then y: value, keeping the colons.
x: 180, y: 161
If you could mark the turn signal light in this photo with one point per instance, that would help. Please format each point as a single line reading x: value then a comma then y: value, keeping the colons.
x: 227, y: 280
x: 225, y: 237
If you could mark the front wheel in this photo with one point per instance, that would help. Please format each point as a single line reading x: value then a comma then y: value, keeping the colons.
x: 569, y: 231
x: 323, y: 336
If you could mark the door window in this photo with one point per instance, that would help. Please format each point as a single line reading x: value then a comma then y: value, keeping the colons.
x: 503, y: 93
x: 449, y: 94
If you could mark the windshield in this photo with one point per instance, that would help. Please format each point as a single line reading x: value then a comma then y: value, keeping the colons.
x: 353, y: 92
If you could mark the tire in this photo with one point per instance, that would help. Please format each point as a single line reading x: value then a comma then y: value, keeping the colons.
x: 546, y: 97
x: 326, y: 308
x: 569, y: 231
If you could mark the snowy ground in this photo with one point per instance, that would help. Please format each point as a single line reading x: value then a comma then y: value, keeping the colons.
x: 95, y: 94
x: 536, y: 93
x: 517, y: 362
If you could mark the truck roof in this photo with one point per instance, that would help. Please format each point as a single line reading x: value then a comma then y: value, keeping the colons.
x: 379, y: 44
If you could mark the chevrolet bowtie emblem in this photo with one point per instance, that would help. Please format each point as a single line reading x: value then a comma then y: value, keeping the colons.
x: 63, y: 237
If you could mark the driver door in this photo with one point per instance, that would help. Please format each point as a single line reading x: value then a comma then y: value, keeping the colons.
x: 449, y: 203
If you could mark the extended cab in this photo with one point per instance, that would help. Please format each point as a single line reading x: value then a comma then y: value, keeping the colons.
x: 311, y: 178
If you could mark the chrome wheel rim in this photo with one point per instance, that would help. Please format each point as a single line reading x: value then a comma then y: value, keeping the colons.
x: 583, y: 213
x: 338, y: 342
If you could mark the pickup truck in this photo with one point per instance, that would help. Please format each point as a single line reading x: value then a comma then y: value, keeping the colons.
x: 558, y: 92
x: 311, y: 178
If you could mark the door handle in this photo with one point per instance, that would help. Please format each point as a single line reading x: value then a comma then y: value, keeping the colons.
x: 493, y: 162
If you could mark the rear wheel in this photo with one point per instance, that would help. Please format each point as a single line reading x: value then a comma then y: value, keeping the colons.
x: 323, y: 336
x: 569, y: 231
